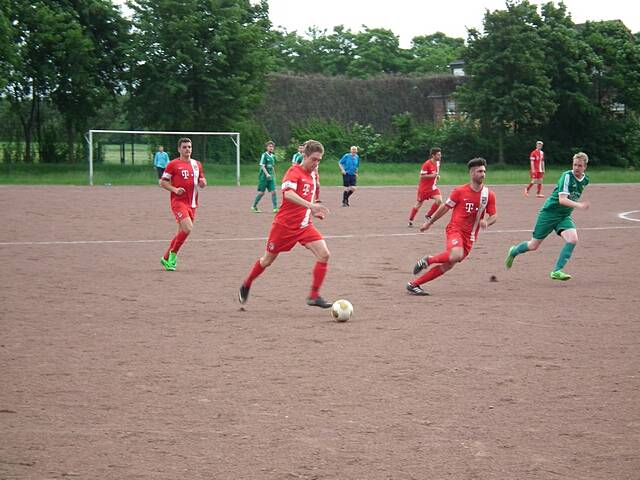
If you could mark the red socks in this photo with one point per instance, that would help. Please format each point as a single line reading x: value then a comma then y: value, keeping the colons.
x: 433, y: 209
x: 255, y: 272
x: 176, y: 243
x: 413, y: 213
x: 431, y: 274
x: 319, y: 272
x: 439, y: 258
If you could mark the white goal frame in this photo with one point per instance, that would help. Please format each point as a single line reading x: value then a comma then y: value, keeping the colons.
x: 235, y: 138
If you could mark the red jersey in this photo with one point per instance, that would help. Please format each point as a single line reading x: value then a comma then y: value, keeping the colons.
x: 466, y: 204
x: 428, y: 184
x: 185, y: 175
x: 305, y: 184
x: 537, y: 161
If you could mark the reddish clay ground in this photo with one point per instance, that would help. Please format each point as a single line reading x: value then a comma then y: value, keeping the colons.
x: 114, y: 369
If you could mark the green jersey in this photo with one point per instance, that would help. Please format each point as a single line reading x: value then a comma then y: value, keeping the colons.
x: 297, y: 158
x: 567, y: 184
x: 268, y: 160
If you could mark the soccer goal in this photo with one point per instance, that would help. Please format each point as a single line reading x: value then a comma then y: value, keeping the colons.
x: 217, y: 151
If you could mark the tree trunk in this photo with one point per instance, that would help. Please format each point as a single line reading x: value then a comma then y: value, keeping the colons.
x: 501, y: 146
x: 71, y: 151
x: 27, y: 127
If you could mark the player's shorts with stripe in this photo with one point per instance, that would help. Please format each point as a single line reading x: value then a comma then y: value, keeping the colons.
x: 547, y: 223
x: 424, y: 194
x: 283, y: 239
x: 536, y: 175
x: 182, y: 211
x: 455, y: 238
x: 265, y: 183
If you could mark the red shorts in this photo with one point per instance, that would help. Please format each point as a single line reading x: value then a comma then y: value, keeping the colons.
x: 458, y: 239
x: 427, y: 194
x: 182, y: 211
x: 537, y: 175
x: 283, y: 239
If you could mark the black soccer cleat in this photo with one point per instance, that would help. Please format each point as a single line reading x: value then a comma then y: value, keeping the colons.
x: 416, y: 290
x: 318, y: 302
x: 420, y: 265
x: 243, y: 293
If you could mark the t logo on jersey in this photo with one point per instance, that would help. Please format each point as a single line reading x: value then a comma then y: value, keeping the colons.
x: 185, y: 174
x: 468, y: 207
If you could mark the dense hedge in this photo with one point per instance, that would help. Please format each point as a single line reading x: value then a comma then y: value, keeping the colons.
x: 294, y: 100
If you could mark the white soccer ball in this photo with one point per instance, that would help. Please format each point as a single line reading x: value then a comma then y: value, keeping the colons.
x: 341, y: 310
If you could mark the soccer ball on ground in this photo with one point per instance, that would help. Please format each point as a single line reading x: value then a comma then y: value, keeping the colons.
x: 341, y: 310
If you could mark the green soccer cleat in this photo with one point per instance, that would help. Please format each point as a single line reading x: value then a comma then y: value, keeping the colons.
x: 169, y: 267
x: 560, y: 275
x: 276, y: 210
x: 173, y: 259
x: 510, y: 256
x: 255, y: 209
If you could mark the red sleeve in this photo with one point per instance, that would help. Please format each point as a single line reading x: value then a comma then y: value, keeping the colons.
x: 290, y: 179
x: 169, y: 170
x: 201, y: 170
x: 454, y: 198
x: 491, y: 204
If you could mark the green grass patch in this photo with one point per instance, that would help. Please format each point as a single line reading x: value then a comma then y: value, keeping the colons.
x: 371, y: 174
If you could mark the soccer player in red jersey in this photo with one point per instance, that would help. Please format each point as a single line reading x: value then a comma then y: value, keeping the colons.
x: 293, y: 224
x: 427, y: 188
x: 182, y: 177
x: 536, y: 172
x: 469, y: 203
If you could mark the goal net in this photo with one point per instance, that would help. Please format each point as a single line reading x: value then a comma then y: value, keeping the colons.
x: 127, y: 155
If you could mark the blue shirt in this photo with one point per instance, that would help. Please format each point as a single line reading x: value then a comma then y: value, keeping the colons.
x: 350, y: 163
x: 160, y: 159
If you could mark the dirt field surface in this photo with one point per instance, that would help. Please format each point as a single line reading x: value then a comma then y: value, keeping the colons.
x: 112, y: 368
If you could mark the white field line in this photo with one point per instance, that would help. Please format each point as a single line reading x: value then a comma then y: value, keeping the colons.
x: 252, y: 239
x: 626, y: 216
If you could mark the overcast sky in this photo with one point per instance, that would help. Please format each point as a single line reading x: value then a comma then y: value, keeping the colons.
x: 410, y: 18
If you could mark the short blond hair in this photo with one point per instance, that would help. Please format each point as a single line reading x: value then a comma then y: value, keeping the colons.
x: 581, y: 156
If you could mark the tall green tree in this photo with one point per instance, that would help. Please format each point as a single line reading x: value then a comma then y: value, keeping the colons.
x: 617, y: 78
x: 507, y: 89
x: 377, y: 51
x: 7, y: 52
x: 61, y: 56
x: 569, y: 63
x: 200, y: 64
x: 433, y: 53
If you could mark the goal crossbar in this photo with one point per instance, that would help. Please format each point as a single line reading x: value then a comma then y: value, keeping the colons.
x: 235, y: 138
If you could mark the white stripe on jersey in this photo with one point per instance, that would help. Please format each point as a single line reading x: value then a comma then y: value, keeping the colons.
x: 196, y: 175
x: 565, y: 186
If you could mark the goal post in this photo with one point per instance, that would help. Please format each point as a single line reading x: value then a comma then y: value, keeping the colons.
x: 91, y: 135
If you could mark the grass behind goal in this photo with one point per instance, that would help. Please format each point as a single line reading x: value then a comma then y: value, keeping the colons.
x: 371, y: 174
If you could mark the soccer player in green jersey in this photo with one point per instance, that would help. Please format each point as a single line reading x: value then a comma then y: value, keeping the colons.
x: 267, y: 178
x: 297, y: 157
x: 555, y: 214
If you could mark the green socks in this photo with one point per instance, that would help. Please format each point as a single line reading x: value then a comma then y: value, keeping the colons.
x: 565, y: 255
x: 521, y: 248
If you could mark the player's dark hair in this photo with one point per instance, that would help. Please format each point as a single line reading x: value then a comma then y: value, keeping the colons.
x: 434, y: 150
x: 183, y: 140
x: 312, y: 146
x: 476, y: 162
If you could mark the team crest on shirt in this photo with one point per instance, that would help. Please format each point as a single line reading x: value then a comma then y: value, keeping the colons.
x: 271, y: 246
x: 454, y: 241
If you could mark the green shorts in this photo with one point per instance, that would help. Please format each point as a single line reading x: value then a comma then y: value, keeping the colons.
x: 264, y: 184
x: 546, y: 223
